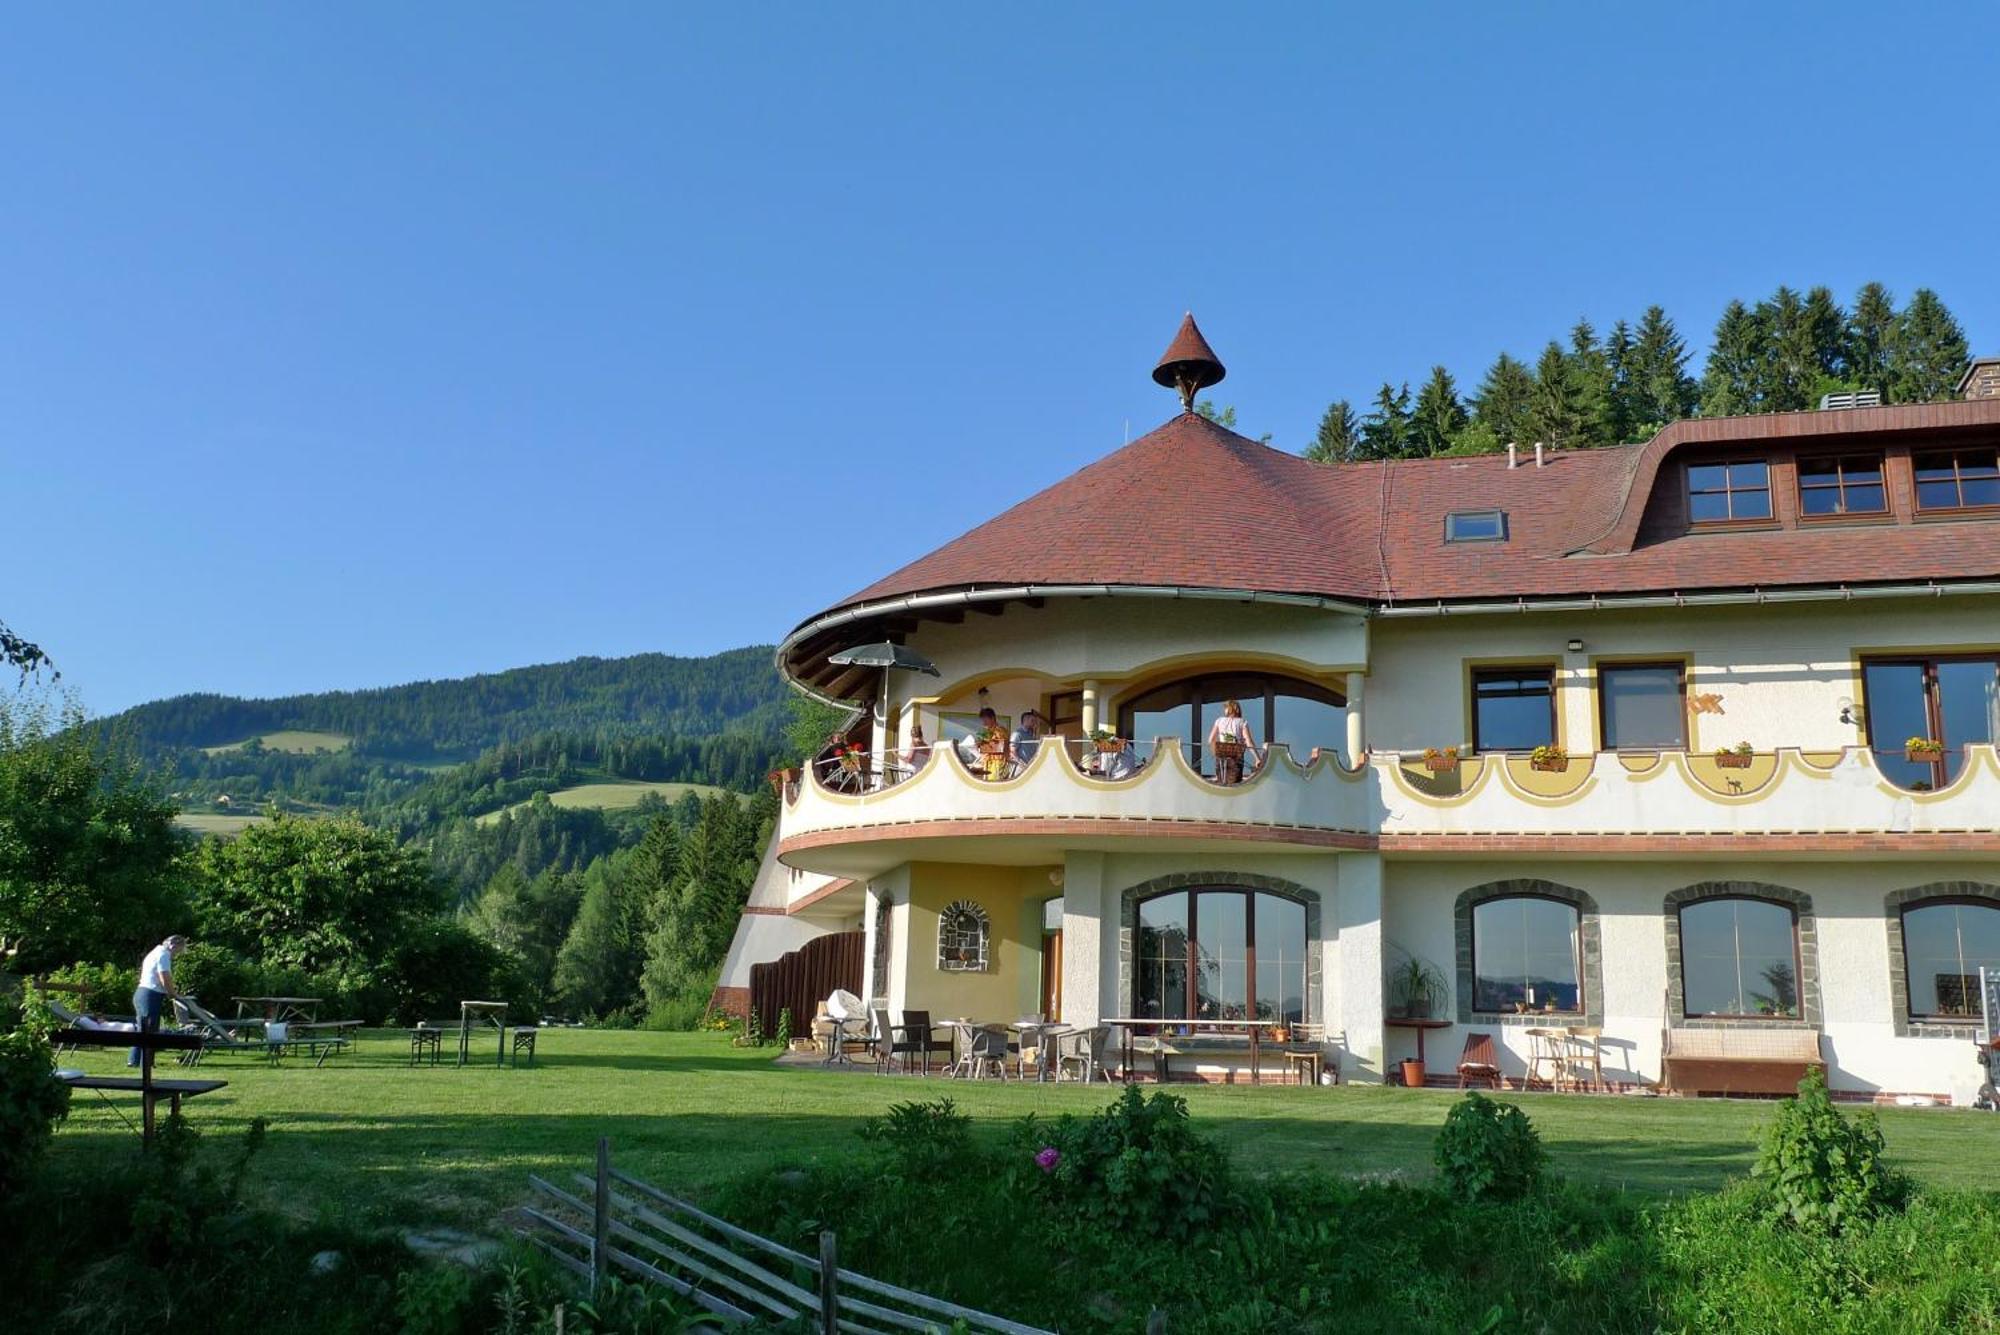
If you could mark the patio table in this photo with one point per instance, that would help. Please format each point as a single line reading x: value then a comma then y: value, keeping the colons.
x: 472, y: 1013
x: 836, y: 1047
x: 1253, y: 1029
x: 303, y: 1009
x: 1038, y: 1034
x: 961, y: 1044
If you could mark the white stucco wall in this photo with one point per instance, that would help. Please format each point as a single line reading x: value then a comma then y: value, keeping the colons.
x: 1861, y: 1046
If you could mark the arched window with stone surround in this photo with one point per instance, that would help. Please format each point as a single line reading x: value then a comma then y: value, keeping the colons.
x: 1528, y: 947
x: 1946, y: 941
x: 1221, y: 953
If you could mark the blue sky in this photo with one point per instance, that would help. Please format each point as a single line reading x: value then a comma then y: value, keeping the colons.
x: 346, y: 345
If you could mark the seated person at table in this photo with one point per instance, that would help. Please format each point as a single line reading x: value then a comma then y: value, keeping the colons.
x: 918, y: 753
x: 1028, y: 737
x: 1229, y: 740
x: 985, y: 748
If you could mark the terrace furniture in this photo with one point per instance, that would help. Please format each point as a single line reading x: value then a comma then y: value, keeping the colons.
x: 69, y: 1019
x: 1738, y: 1061
x: 1586, y: 1052
x: 1305, y: 1056
x: 473, y: 1014
x: 216, y: 1035
x: 149, y: 1090
x: 988, y: 1048
x: 303, y: 1009
x: 1168, y: 1039
x: 1421, y: 1024
x: 1081, y: 1051
x: 1035, y: 1032
x: 918, y: 1025
x: 1478, y: 1061
x: 843, y: 1009
x: 426, y: 1038
x: 524, y: 1041
x: 1547, y: 1057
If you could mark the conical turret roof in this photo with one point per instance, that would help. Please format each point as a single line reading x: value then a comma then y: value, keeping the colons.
x: 1189, y: 364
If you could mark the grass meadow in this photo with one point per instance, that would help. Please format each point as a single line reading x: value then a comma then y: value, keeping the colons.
x: 292, y: 742
x: 615, y: 795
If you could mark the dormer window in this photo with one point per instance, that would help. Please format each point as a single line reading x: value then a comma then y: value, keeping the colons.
x: 1476, y: 526
x: 1845, y: 485
x: 1729, y: 493
x: 1958, y: 480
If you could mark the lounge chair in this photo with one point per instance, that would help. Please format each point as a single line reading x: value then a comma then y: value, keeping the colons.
x: 1478, y: 1061
x: 215, y: 1034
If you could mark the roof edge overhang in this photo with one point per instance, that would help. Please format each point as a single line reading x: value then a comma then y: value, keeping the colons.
x: 1755, y: 596
x: 940, y: 599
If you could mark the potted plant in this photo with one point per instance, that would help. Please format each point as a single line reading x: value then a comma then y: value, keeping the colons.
x: 1549, y: 759
x: 992, y: 741
x: 784, y: 780
x: 1440, y: 761
x: 1923, y: 750
x: 1108, y: 742
x: 1736, y: 757
x: 848, y: 756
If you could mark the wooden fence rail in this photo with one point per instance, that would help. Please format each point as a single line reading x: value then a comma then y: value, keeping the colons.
x: 733, y: 1274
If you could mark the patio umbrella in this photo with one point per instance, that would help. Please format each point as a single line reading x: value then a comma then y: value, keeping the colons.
x: 885, y: 655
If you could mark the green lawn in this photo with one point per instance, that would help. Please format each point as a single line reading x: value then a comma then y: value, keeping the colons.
x: 215, y: 822
x: 614, y: 795
x: 372, y: 1140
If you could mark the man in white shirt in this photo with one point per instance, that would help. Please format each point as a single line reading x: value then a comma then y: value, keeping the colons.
x: 156, y: 984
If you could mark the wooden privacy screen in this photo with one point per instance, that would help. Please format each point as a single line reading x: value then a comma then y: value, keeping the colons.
x: 801, y: 980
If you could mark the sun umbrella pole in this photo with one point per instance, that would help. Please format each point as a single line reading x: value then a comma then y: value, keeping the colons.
x: 878, y: 731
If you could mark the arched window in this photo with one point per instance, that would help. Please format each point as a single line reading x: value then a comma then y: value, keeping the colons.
x: 1527, y: 955
x: 1739, y: 957
x: 1221, y: 954
x: 962, y: 933
x: 1298, y: 713
x: 1945, y: 942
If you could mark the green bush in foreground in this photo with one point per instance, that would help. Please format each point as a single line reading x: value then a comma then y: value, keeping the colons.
x: 1824, y: 1171
x: 32, y: 1101
x: 1487, y: 1149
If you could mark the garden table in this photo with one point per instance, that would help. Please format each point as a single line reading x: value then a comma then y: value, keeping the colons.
x: 303, y: 1009
x: 836, y: 1048
x: 1421, y: 1025
x: 1038, y: 1034
x: 1252, y: 1029
x: 473, y: 1013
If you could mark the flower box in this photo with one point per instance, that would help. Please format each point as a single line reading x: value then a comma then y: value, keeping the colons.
x: 1441, y: 762
x: 1924, y: 754
x: 1733, y: 759
x: 1110, y: 746
x: 1550, y: 764
x: 1228, y: 749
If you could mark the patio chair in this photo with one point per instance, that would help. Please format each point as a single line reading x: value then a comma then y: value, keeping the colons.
x: 217, y: 1035
x: 924, y: 1039
x: 889, y: 1042
x: 989, y: 1047
x: 1478, y: 1061
x: 1082, y: 1051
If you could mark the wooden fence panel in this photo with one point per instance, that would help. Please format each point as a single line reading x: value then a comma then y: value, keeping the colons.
x: 800, y: 980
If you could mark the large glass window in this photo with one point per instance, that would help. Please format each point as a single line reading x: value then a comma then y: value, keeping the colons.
x: 1721, y: 493
x: 1955, y: 701
x: 1739, y: 957
x: 1642, y: 705
x: 1221, y: 954
x: 1513, y: 709
x: 1945, y: 943
x: 1958, y: 479
x: 1845, y: 485
x: 1525, y: 955
x: 1298, y: 713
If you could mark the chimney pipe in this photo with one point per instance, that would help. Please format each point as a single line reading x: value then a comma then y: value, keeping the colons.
x: 1538, y: 454
x: 1512, y: 460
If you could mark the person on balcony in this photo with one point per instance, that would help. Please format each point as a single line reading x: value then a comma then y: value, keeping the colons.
x: 985, y: 750
x: 1028, y: 736
x: 918, y: 753
x: 1229, y: 738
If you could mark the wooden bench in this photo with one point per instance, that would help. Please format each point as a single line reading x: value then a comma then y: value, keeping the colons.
x: 1738, y: 1061
x: 149, y: 1090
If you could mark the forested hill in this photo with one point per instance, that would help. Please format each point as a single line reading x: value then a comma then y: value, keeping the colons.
x: 644, y: 695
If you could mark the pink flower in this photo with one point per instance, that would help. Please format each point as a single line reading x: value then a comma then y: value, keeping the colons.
x: 1047, y: 1158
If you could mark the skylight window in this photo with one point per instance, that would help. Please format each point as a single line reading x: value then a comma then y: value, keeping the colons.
x: 1476, y: 526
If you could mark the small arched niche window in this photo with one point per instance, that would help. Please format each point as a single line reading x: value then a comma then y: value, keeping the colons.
x: 1299, y: 713
x: 1945, y: 943
x: 1740, y: 957
x: 962, y: 937
x: 1527, y: 955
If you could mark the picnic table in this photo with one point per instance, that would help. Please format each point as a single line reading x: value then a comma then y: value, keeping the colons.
x: 149, y: 1090
x: 305, y: 1010
x: 1169, y: 1029
x: 472, y: 1014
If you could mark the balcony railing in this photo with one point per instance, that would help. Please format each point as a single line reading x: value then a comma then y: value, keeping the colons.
x: 1785, y: 792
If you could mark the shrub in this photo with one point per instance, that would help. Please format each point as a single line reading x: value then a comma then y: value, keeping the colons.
x: 1487, y: 1150
x: 32, y: 1101
x: 923, y: 1138
x: 1824, y: 1171
x: 1137, y: 1167
x: 213, y: 974
x: 440, y: 962
x: 678, y: 1013
x: 107, y: 988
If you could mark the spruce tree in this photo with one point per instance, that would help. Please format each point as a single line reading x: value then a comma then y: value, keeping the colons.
x: 1590, y: 382
x: 1385, y: 432
x: 1871, y: 327
x: 1504, y: 400
x: 1928, y: 353
x: 597, y: 969
x: 1789, y: 366
x: 1558, y: 414
x: 1438, y: 416
x: 1730, y: 383
x: 1618, y: 373
x: 1339, y: 437
x: 1658, y: 389
x: 1826, y: 328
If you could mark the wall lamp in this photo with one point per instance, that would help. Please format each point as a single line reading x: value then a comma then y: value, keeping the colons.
x: 1576, y: 646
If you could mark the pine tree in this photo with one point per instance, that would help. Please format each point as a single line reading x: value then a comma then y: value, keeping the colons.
x: 1385, y: 432
x: 1826, y: 328
x: 1339, y: 437
x: 1789, y: 367
x: 1558, y: 414
x: 1590, y: 381
x: 1871, y: 327
x: 1618, y: 371
x: 1438, y: 416
x: 1928, y: 353
x: 1730, y: 383
x: 1658, y: 389
x: 696, y: 910
x: 1504, y: 399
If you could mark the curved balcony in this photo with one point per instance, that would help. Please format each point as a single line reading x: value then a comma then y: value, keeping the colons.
x: 1786, y: 801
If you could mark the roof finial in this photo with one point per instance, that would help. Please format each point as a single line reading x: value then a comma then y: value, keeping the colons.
x: 1188, y: 364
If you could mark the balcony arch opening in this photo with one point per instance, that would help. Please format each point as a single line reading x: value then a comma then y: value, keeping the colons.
x: 1299, y: 713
